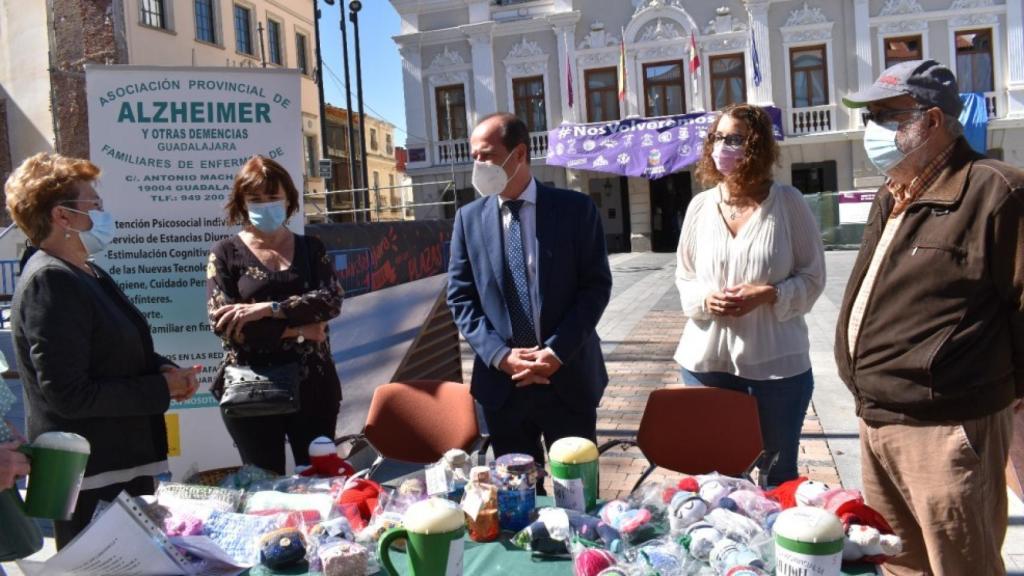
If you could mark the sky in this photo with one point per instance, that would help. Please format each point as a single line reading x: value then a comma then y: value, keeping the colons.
x: 383, y: 96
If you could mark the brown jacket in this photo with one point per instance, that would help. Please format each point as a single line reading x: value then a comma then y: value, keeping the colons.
x: 942, y: 337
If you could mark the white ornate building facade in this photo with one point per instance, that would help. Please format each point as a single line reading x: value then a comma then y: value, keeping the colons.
x: 464, y: 59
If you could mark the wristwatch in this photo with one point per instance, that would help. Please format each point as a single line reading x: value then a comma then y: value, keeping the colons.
x: 275, y: 307
x: 300, y: 338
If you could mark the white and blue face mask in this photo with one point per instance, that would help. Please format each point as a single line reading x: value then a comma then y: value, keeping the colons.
x: 881, y: 146
x: 97, y: 238
x: 267, y: 216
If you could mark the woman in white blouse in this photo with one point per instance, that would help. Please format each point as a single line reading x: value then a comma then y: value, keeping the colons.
x: 750, y: 264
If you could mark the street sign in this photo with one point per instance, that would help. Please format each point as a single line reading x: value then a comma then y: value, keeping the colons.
x: 325, y: 169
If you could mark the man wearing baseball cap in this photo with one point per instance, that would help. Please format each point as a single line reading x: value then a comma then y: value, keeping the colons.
x: 930, y: 338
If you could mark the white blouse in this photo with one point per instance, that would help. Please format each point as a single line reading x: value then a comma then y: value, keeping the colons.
x: 781, y: 245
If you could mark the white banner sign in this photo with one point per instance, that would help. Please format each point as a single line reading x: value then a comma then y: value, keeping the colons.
x: 169, y: 142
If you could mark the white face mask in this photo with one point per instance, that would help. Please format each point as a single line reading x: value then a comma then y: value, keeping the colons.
x: 490, y: 179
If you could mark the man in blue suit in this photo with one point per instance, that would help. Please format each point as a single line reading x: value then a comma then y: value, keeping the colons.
x: 528, y: 281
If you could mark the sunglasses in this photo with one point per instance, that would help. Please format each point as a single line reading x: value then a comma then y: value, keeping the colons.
x: 729, y: 139
x: 883, y: 116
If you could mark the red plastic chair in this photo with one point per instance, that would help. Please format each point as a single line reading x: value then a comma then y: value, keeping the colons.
x: 698, y: 430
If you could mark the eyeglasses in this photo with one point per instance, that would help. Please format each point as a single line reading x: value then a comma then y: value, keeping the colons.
x: 883, y: 116
x: 729, y: 139
x: 96, y: 204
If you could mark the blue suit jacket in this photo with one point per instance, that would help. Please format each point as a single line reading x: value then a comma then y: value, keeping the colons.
x: 575, y: 285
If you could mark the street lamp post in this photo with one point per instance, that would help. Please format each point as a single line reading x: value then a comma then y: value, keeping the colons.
x: 348, y: 105
x: 320, y: 79
x: 354, y: 7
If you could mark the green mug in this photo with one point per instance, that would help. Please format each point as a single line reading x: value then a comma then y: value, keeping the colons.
x: 433, y: 530
x: 58, y: 466
x: 575, y: 473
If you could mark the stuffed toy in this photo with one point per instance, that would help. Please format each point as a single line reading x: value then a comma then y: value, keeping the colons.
x: 734, y: 526
x: 324, y: 461
x: 699, y: 539
x: 753, y: 504
x: 630, y: 522
x: 685, y: 510
x: 713, y: 489
x: 551, y: 533
x: 592, y: 561
x: 798, y: 492
x: 282, y: 548
x: 869, y: 537
x: 728, y: 554
x: 359, y: 501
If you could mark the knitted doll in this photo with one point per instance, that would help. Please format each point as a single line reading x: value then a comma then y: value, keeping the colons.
x: 324, y: 461
x: 798, y: 492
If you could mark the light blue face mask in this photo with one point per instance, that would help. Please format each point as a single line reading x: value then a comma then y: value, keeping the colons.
x: 267, y: 216
x: 95, y: 239
x: 880, y: 145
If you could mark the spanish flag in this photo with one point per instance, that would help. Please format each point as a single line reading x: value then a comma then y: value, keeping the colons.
x: 622, y: 66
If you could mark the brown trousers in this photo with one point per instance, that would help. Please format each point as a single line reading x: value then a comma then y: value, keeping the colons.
x: 943, y: 489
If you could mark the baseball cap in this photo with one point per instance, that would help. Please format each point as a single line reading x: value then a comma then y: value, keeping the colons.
x: 927, y: 81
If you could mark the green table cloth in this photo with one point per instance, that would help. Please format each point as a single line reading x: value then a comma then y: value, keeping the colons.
x: 501, y: 558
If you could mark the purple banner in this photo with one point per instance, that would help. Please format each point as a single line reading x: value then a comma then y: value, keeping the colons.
x: 647, y: 147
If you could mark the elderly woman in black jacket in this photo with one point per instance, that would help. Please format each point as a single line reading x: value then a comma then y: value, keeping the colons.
x: 84, y: 350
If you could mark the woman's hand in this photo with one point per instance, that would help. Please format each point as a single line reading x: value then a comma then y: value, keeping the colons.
x: 746, y: 297
x: 182, y: 383
x: 230, y: 319
x: 12, y: 464
x: 719, y: 304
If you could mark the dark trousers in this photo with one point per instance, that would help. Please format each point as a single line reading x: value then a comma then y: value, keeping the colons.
x: 64, y: 531
x: 781, y: 407
x: 260, y: 439
x: 534, y: 413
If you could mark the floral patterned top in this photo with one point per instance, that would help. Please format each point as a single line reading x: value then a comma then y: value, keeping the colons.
x: 308, y: 291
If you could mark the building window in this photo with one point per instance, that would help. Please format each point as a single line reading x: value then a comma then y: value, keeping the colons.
x: 274, y: 41
x: 154, y: 13
x: 528, y: 100
x: 815, y: 177
x: 974, y: 71
x: 728, y: 80
x: 663, y: 88
x: 243, y: 30
x: 901, y: 49
x: 451, y: 112
x: 373, y: 139
x: 204, y: 21
x: 602, y: 94
x: 301, y: 57
x: 376, y: 180
x: 391, y: 180
x: 809, y: 76
x: 311, y: 165
x: 388, y: 146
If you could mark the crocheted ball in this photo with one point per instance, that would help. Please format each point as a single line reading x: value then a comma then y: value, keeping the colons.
x: 592, y: 561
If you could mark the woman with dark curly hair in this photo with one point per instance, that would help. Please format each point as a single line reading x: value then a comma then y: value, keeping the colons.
x: 270, y: 293
x: 745, y: 288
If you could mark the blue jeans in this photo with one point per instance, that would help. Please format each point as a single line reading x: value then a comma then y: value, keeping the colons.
x: 781, y: 406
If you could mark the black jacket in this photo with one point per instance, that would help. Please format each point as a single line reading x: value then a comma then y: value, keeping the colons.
x: 942, y: 338
x: 86, y: 359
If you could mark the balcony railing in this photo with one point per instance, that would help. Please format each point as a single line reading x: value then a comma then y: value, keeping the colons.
x: 458, y: 151
x: 992, y: 104
x: 812, y: 120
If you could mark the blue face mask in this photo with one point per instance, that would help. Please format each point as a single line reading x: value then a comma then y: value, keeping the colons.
x: 880, y: 145
x: 267, y: 216
x: 95, y: 239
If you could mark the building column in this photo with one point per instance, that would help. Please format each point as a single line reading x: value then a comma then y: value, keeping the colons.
x: 1015, y: 54
x: 481, y: 44
x: 865, y: 65
x: 758, y: 11
x: 417, y: 129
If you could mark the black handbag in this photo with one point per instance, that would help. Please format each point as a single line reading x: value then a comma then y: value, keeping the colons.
x: 264, y: 390
x: 260, y: 390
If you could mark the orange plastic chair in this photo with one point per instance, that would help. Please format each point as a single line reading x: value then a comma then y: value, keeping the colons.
x: 697, y: 430
x: 418, y: 421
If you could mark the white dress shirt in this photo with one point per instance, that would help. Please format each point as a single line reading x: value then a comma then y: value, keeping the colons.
x: 779, y: 245
x: 528, y: 228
